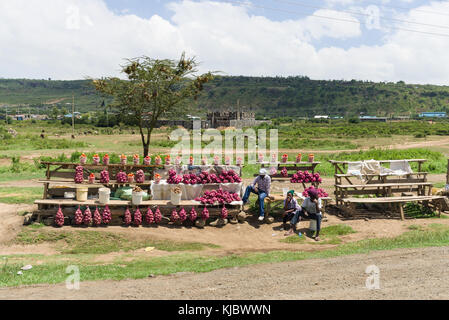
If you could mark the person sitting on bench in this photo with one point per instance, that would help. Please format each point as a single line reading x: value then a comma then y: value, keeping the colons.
x: 291, y: 206
x: 263, y: 182
x: 310, y: 209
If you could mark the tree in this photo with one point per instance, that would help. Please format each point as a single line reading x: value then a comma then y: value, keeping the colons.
x: 153, y: 88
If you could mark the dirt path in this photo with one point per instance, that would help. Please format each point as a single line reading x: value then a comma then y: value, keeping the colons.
x: 404, y: 274
x: 11, y: 222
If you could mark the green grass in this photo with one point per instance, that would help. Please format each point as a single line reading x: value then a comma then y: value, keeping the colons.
x: 328, y: 235
x: 337, y: 230
x: 22, y: 195
x: 95, y: 242
x: 54, y: 272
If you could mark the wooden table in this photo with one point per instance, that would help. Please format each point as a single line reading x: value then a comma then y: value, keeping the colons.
x: 398, y: 200
x: 382, y: 182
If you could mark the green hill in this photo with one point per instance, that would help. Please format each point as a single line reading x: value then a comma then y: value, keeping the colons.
x: 272, y: 97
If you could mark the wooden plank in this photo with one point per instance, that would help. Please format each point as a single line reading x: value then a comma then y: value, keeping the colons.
x: 392, y: 199
x: 122, y: 203
x: 71, y: 183
x: 381, y: 185
x: 380, y: 161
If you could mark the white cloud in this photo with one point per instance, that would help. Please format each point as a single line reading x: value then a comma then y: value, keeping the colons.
x: 37, y: 43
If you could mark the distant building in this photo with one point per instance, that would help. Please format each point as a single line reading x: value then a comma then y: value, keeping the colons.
x: 77, y: 115
x: 21, y: 117
x: 321, y: 117
x: 373, y: 118
x: 433, y: 115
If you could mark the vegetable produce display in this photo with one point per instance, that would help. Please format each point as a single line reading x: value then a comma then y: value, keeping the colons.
x: 83, y: 159
x: 158, y: 161
x: 79, y: 174
x: 140, y: 176
x: 107, y: 216
x: 131, y: 178
x: 147, y: 161
x: 158, y: 216
x: 104, y: 176
x: 218, y: 197
x: 87, y: 219
x: 182, y: 215
x: 97, y: 217
x: 167, y: 160
x: 106, y: 160
x: 193, y: 215
x: 79, y: 217
x: 224, y: 213
x: 173, y: 178
x: 205, y: 214
x: 59, y: 218
x: 149, y: 217
x: 306, y: 177
x: 137, y: 218
x: 123, y: 160
x: 127, y: 220
x: 284, y: 172
x: 96, y: 159
x: 207, y: 178
x: 91, y: 178
x: 203, y: 178
x: 136, y: 159
x: 321, y: 192
x: 122, y: 177
x: 229, y: 177
x: 174, y: 216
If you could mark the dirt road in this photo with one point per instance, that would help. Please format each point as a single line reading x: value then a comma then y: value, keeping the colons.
x: 404, y: 274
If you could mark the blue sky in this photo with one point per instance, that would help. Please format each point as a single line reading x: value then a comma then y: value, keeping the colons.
x: 293, y: 9
x: 377, y: 40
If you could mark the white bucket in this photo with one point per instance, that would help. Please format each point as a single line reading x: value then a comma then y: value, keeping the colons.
x: 81, y: 194
x: 137, y: 198
x: 104, y: 195
x: 176, y: 198
x: 313, y: 225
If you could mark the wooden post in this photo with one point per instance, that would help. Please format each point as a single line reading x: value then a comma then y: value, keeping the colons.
x: 447, y: 174
x: 401, y: 210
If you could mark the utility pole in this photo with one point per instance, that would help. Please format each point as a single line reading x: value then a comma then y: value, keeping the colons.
x: 73, y: 115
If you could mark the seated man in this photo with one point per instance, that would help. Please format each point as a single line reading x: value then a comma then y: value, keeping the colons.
x: 291, y: 206
x: 261, y: 186
x: 310, y: 209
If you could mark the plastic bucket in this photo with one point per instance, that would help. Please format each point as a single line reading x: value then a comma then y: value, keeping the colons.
x: 104, y: 195
x: 81, y: 194
x: 137, y: 198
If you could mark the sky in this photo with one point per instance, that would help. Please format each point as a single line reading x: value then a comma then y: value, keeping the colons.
x: 373, y: 40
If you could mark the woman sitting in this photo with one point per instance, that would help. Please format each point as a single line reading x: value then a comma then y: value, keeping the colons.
x: 310, y: 209
x: 291, y: 206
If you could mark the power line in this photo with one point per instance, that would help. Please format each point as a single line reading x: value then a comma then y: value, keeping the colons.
x: 361, y: 14
x: 409, y: 8
x: 332, y: 18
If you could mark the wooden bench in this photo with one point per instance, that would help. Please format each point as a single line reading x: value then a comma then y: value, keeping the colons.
x: 383, y: 189
x: 378, y: 184
x: 279, y: 199
x: 397, y: 200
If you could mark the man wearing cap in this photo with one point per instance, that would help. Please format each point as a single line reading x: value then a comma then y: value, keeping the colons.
x: 261, y: 186
x: 310, y: 209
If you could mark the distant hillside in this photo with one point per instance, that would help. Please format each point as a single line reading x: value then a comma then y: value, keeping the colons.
x: 273, y: 97
x: 41, y: 93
